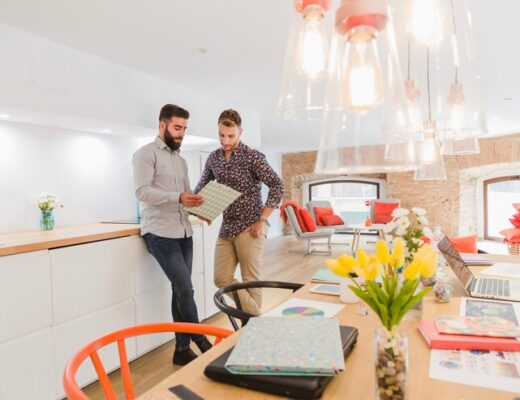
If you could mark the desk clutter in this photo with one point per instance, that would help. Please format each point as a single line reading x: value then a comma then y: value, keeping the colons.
x: 480, y: 347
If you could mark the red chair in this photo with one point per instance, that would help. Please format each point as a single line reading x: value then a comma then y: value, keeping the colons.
x: 72, y: 388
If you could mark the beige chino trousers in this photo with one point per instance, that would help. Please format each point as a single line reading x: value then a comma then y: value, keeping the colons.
x: 246, y: 251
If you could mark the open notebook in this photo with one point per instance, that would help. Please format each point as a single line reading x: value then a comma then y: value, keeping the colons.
x: 309, y: 346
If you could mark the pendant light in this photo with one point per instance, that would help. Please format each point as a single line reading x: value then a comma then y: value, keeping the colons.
x: 306, y: 63
x: 365, y: 99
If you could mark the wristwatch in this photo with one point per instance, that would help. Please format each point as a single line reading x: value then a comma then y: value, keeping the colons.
x: 265, y: 221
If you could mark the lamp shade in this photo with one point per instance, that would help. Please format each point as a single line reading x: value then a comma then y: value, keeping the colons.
x: 365, y: 99
x: 306, y: 63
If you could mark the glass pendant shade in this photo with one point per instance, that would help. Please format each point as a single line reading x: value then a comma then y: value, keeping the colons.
x: 431, y: 172
x: 429, y: 154
x: 365, y: 99
x: 451, y: 81
x: 306, y: 63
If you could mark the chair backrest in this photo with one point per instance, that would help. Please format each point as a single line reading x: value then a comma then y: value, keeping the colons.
x: 293, y: 221
x: 72, y: 388
x: 372, y: 205
x: 237, y: 312
x: 317, y: 203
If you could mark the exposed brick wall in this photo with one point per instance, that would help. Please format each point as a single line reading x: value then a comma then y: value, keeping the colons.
x: 450, y: 203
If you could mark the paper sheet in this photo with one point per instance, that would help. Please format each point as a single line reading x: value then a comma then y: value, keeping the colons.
x: 295, y: 307
x: 489, y: 369
x: 217, y: 198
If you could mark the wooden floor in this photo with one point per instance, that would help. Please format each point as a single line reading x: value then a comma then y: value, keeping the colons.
x: 283, y: 261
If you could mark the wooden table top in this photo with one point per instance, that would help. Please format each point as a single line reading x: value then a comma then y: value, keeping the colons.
x: 358, y: 380
x: 22, y: 242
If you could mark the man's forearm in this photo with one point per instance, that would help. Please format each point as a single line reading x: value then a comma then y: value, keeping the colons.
x: 150, y: 195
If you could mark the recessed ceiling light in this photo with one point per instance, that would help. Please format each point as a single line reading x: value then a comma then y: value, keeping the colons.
x: 200, y: 51
x: 5, y: 116
x: 106, y: 131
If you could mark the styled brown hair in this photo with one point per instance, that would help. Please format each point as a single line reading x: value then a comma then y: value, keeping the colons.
x: 169, y: 111
x: 230, y: 118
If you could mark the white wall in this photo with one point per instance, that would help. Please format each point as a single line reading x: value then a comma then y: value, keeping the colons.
x: 91, y: 173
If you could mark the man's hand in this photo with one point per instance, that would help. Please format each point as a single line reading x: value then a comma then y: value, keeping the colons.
x: 256, y: 229
x: 189, y: 199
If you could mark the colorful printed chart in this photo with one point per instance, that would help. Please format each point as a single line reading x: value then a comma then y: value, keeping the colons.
x: 302, y: 312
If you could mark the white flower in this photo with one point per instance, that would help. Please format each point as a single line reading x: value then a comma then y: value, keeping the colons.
x: 403, y: 223
x: 400, y: 231
x: 419, y: 211
x: 400, y: 212
x: 416, y: 240
x: 422, y: 220
x: 48, y: 201
x: 389, y: 227
x: 427, y: 232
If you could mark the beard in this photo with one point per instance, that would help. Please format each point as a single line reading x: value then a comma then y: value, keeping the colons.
x: 170, y: 141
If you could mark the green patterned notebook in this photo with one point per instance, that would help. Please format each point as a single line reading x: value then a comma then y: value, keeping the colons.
x: 309, y: 346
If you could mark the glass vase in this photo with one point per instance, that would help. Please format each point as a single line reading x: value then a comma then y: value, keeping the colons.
x: 391, y: 364
x: 47, y: 220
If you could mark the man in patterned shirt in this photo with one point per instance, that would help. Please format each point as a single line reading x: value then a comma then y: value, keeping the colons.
x: 244, y: 229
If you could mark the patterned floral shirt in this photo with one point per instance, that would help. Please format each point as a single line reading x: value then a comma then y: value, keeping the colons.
x: 245, y: 171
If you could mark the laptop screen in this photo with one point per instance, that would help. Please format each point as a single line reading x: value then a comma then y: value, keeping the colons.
x: 455, y: 261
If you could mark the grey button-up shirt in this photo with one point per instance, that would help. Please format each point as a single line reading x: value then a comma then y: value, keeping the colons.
x: 160, y: 176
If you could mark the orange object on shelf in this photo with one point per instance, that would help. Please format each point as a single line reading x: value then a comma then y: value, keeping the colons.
x: 368, y: 222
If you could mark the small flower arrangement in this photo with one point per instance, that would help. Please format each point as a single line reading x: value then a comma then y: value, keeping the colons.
x: 48, y: 201
x: 412, y: 227
x: 397, y: 293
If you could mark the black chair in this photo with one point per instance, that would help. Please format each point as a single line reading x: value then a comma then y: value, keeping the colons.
x: 237, y: 312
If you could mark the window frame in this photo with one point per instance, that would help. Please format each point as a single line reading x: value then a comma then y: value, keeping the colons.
x: 485, y: 185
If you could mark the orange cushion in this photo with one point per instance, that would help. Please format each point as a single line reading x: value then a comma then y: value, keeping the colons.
x: 512, y: 235
x: 383, y: 212
x: 465, y: 244
x: 320, y: 212
x: 309, y: 223
x: 515, y: 223
x: 517, y: 216
x: 300, y: 219
x: 329, y: 220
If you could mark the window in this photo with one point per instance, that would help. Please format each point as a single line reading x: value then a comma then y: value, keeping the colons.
x: 347, y: 197
x: 499, y: 195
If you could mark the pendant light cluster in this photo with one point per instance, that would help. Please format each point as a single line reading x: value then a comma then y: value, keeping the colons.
x: 351, y: 80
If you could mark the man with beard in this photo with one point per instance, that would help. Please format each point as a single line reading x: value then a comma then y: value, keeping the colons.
x: 162, y: 186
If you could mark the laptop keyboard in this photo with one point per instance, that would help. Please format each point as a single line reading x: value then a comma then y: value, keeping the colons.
x: 493, y: 287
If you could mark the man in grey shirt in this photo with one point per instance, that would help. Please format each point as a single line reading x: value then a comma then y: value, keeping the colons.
x: 162, y: 186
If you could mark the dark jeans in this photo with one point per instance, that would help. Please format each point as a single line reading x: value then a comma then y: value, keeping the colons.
x: 175, y: 258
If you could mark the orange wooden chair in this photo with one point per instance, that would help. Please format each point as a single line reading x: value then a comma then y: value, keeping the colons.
x: 72, y: 388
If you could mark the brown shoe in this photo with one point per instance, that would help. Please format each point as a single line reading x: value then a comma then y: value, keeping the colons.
x: 183, y: 357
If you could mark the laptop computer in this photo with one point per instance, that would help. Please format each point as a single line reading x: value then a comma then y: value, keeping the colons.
x: 488, y: 288
x: 300, y: 387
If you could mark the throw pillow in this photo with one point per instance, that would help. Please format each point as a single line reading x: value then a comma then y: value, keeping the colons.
x: 309, y: 223
x: 330, y: 220
x: 512, y: 235
x: 517, y: 216
x: 300, y: 219
x: 515, y: 222
x: 320, y: 212
x: 383, y: 212
x: 465, y: 244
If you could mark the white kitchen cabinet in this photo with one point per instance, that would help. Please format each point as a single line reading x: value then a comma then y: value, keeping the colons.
x: 25, y: 294
x: 71, y: 336
x: 27, y: 367
x: 89, y: 277
x: 210, y: 238
x: 151, y: 307
x: 148, y: 272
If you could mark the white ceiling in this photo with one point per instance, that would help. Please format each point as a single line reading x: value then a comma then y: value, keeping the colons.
x: 245, y: 42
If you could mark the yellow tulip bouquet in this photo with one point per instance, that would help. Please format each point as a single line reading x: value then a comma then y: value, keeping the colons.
x: 396, y: 293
